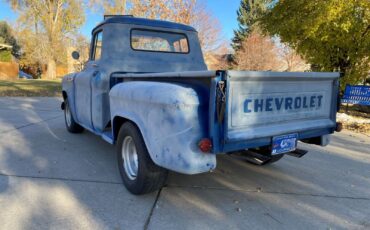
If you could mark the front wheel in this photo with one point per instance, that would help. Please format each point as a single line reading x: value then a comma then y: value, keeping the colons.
x: 71, y: 124
x: 139, y: 173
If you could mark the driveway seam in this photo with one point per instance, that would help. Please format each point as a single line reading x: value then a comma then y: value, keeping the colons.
x: 189, y: 187
x: 30, y: 124
x: 147, y: 222
x: 270, y: 192
x: 61, y: 179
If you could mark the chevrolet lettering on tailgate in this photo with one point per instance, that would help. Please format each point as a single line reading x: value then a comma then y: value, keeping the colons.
x: 282, y: 103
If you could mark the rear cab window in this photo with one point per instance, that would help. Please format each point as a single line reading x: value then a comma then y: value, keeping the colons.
x: 159, y: 41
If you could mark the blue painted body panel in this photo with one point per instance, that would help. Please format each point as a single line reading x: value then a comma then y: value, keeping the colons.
x: 246, y: 127
x: 146, y: 22
x: 69, y: 88
x: 171, y: 119
x: 172, y: 99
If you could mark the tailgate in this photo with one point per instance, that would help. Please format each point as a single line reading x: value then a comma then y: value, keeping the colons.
x: 260, y: 105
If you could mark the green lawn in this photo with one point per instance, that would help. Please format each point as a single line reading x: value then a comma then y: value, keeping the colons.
x: 30, y: 88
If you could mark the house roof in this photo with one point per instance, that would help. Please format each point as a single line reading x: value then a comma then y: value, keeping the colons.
x: 144, y: 22
x: 5, y: 46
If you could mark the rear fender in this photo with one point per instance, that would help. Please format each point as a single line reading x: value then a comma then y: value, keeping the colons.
x: 172, y: 120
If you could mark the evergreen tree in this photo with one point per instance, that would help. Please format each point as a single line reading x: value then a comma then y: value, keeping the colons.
x: 7, y: 38
x: 248, y: 13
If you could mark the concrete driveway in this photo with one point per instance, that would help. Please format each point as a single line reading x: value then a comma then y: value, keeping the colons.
x: 50, y: 178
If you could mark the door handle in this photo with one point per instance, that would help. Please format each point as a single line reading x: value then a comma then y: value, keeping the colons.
x: 94, y: 65
x: 95, y: 73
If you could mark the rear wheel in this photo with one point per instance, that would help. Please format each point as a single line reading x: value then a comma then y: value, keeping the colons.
x: 70, y: 122
x: 139, y: 173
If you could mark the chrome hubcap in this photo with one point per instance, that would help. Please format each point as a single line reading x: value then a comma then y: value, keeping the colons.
x: 68, y: 116
x: 129, y: 157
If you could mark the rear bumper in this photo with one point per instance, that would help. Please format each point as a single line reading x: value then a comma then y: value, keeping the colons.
x: 309, y: 136
x: 277, y: 129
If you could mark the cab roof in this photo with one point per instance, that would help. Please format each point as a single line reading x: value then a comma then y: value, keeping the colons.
x: 123, y: 19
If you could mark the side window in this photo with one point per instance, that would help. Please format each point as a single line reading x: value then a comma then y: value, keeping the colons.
x: 98, y: 39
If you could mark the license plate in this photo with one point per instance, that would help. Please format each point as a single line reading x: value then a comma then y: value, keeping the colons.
x: 284, y: 143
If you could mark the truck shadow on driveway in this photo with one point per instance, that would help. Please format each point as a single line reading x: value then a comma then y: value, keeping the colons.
x: 50, y: 178
x: 327, y: 188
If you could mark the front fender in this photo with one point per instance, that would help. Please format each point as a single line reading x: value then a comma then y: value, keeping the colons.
x: 69, y: 89
x: 172, y: 119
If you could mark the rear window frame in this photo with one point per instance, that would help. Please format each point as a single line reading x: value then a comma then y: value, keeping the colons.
x: 163, y: 32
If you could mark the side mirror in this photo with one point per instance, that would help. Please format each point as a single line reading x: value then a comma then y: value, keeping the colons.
x: 75, y: 55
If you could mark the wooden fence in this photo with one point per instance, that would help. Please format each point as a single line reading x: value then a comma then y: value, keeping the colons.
x: 9, y: 70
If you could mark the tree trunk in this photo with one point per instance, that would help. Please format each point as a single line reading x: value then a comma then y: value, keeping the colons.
x: 123, y: 7
x: 51, y: 69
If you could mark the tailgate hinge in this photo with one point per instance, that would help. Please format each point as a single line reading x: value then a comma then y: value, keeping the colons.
x: 221, y: 101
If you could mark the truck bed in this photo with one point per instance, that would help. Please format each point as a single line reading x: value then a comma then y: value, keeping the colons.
x: 261, y: 105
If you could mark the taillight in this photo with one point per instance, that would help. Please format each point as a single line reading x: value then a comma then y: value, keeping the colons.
x: 205, y: 145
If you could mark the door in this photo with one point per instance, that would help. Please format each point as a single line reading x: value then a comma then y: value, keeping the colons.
x: 83, y: 83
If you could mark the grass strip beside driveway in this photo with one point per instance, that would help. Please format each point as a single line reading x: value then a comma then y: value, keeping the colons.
x: 30, y: 88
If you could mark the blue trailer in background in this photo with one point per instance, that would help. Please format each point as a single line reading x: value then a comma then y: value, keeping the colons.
x: 357, y: 94
x: 146, y: 89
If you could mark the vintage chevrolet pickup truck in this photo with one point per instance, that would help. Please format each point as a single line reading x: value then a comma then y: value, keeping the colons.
x: 146, y: 89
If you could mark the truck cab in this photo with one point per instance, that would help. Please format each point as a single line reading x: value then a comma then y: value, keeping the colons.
x: 112, y: 52
x: 146, y: 89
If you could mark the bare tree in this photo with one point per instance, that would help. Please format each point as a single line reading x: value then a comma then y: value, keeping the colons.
x: 209, y: 30
x: 292, y: 61
x: 44, y: 26
x: 257, y: 53
x: 110, y: 7
x: 173, y: 10
x: 188, y: 12
x: 218, y: 61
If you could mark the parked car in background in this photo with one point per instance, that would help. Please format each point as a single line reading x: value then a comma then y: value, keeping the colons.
x: 23, y: 75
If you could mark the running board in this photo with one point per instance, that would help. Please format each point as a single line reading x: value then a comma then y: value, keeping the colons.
x: 297, y: 153
x: 108, y: 137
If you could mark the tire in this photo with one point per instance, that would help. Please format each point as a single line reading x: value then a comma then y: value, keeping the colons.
x: 139, y: 173
x: 70, y: 122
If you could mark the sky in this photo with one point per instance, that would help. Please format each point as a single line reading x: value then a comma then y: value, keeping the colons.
x: 224, y: 10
